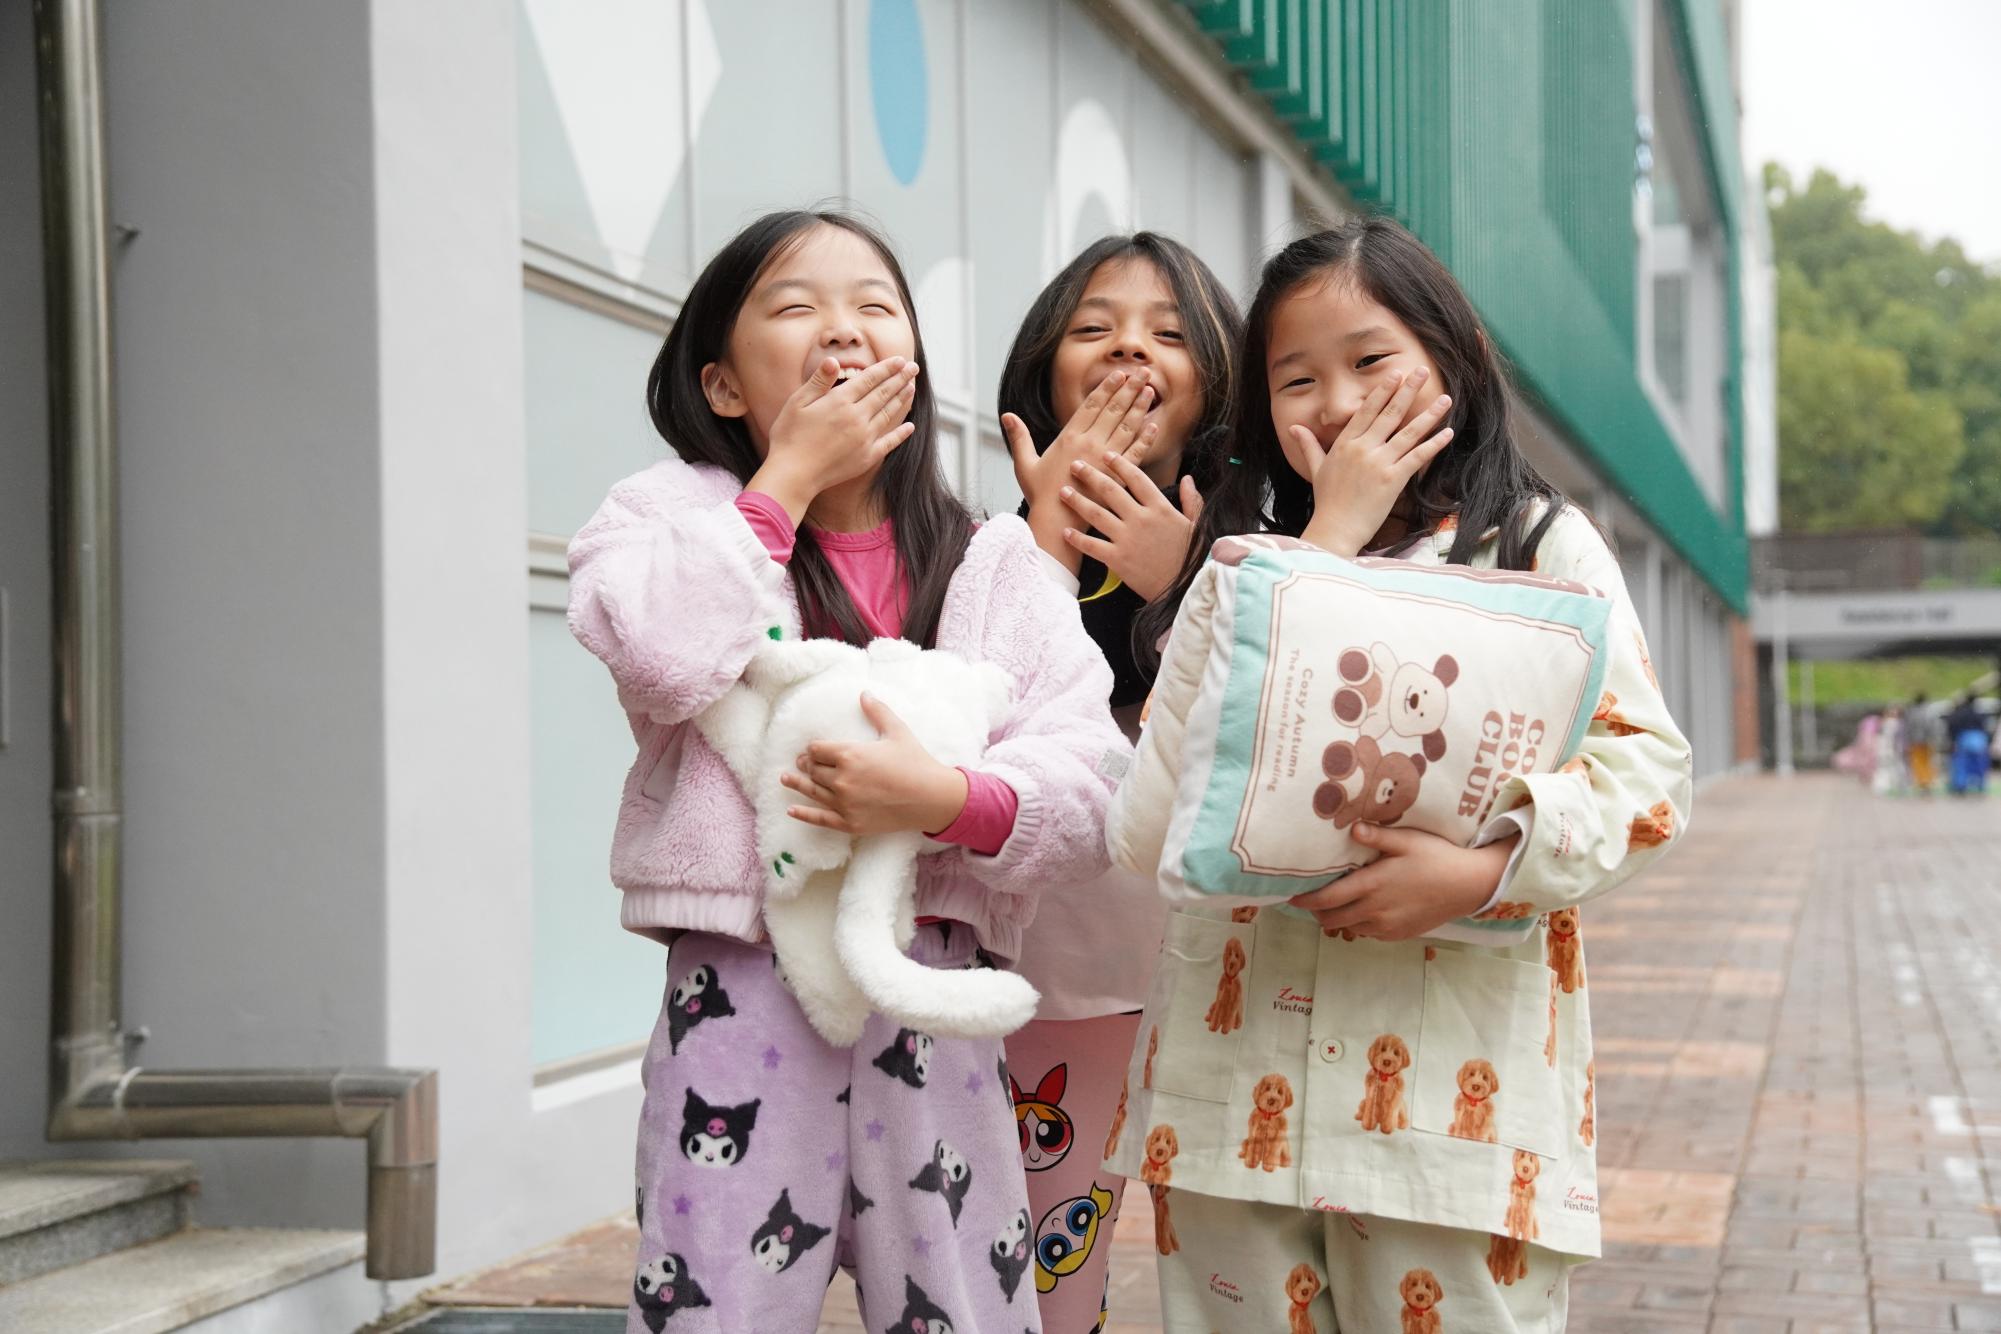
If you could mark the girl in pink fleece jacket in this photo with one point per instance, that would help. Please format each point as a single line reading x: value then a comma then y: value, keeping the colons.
x: 807, y: 496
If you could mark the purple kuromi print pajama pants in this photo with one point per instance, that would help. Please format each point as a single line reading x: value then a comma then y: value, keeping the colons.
x: 767, y: 1157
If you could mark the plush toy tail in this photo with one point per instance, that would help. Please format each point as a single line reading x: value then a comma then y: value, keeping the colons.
x: 945, y: 1002
x: 802, y: 933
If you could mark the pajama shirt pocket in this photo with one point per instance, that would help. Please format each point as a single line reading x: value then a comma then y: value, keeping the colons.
x: 1482, y: 1069
x: 1195, y: 1017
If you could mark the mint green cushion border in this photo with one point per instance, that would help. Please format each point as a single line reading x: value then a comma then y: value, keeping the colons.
x: 1207, y: 863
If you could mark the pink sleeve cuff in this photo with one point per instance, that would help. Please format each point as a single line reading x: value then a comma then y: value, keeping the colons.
x: 988, y: 818
x: 768, y: 519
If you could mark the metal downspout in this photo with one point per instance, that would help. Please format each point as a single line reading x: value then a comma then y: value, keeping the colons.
x: 93, y: 1092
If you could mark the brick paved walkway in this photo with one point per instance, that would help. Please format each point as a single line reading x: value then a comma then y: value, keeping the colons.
x: 1799, y: 1096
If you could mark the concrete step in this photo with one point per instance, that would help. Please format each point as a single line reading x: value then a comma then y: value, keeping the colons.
x: 59, y: 1213
x: 166, y: 1284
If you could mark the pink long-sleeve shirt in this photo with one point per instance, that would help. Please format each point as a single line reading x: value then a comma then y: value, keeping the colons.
x: 865, y: 563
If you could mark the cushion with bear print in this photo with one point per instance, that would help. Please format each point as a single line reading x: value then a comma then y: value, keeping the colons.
x: 1310, y: 692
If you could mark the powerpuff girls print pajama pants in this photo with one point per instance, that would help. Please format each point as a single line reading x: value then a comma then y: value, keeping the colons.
x: 767, y: 1157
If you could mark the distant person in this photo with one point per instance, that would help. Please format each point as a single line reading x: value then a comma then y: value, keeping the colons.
x: 1888, y: 774
x: 1858, y: 757
x: 1966, y: 733
x: 1920, y: 743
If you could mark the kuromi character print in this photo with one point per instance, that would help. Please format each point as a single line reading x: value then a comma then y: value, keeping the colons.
x: 784, y: 1236
x: 920, y: 1315
x: 714, y: 1136
x: 947, y: 1174
x: 1009, y: 1254
x: 764, y: 1153
x: 858, y: 1203
x: 662, y: 1289
x: 908, y: 1058
x: 698, y: 998
x: 1046, y: 1129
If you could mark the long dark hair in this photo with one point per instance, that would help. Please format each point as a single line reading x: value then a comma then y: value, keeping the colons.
x: 932, y: 527
x: 1210, y: 330
x: 1481, y: 476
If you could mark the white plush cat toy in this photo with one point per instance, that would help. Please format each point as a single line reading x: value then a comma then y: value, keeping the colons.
x: 840, y: 935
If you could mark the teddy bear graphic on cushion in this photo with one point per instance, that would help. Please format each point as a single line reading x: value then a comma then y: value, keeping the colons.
x: 1365, y: 784
x: 1381, y: 696
x: 840, y: 910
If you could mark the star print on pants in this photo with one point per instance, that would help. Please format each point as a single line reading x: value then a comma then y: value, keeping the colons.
x: 771, y: 1058
x: 875, y: 1129
x: 682, y: 1204
x: 834, y: 1161
x: 920, y: 1246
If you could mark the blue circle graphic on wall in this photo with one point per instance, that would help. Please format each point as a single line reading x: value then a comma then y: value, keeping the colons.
x: 898, y: 84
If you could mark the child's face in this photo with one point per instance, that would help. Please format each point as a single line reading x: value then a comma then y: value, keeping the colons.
x: 1331, y: 345
x: 1127, y: 321
x: 831, y: 296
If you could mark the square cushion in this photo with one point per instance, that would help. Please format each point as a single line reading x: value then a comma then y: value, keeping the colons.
x: 1313, y: 692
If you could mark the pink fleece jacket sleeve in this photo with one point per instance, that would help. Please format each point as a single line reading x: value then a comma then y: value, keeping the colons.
x: 1058, y: 751
x: 672, y: 590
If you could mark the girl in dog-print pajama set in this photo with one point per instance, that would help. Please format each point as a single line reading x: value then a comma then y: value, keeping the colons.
x: 1348, y: 1126
x: 1409, y: 1123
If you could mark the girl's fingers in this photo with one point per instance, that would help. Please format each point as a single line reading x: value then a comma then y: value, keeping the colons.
x: 1316, y: 453
x: 896, y: 407
x: 1138, y: 487
x: 1149, y: 434
x: 1087, y: 510
x: 813, y: 815
x: 1117, y: 406
x: 890, y: 439
x: 894, y: 389
x: 1020, y: 445
x: 1191, y: 500
x: 1419, y: 428
x: 820, y: 381
x: 827, y: 752
x: 807, y: 788
x: 1416, y: 461
x: 1096, y: 548
x: 872, y: 379
x: 1390, y: 419
x: 1094, y: 402
x: 1104, y: 488
x: 1127, y: 428
x: 1372, y: 406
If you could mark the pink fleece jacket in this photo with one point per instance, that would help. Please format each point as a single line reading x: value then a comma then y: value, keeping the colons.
x: 671, y: 589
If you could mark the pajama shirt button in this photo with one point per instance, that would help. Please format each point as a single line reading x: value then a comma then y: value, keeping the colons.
x: 1330, y: 1049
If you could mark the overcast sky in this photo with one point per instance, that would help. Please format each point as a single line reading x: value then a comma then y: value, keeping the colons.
x: 1900, y: 96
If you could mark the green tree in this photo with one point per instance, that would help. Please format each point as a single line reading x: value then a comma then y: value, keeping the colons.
x: 1858, y: 448
x: 1919, y: 324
